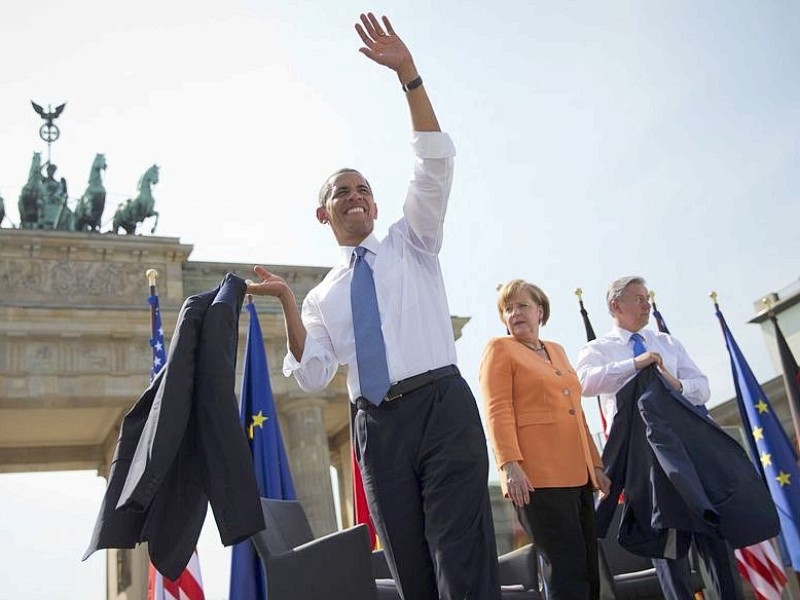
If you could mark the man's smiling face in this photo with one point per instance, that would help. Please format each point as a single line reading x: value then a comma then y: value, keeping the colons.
x: 349, y: 208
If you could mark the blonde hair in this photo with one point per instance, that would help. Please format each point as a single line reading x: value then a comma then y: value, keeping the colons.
x: 516, y: 286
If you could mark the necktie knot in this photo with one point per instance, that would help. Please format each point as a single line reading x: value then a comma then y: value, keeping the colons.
x: 360, y: 251
x: 638, y: 344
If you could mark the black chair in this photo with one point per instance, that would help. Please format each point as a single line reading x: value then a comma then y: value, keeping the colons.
x: 635, y: 576
x: 518, y: 574
x: 342, y: 566
x: 334, y: 567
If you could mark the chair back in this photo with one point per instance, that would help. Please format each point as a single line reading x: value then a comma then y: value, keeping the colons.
x: 621, y: 561
x: 286, y: 527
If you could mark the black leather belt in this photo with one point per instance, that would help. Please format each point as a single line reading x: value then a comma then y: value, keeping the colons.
x: 408, y: 385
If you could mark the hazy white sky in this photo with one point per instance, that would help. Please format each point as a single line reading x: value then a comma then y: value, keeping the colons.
x: 594, y: 140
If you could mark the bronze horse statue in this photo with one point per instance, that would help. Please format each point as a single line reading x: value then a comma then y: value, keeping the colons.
x: 90, y: 206
x: 133, y: 212
x: 31, y: 198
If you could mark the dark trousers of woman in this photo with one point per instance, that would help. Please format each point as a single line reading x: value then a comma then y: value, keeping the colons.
x: 560, y: 521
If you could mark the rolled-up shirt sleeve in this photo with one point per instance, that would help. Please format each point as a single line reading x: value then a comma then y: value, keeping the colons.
x: 318, y: 365
x: 598, y: 375
x: 429, y: 189
x: 694, y: 382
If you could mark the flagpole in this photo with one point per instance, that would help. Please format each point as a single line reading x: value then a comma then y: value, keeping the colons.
x: 590, y: 335
x: 152, y: 277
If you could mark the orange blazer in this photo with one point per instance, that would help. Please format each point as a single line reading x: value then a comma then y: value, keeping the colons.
x: 534, y: 414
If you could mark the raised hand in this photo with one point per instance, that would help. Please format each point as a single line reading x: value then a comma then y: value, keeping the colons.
x: 385, y: 47
x: 270, y: 284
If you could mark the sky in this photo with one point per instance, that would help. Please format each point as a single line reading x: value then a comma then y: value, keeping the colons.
x: 594, y: 140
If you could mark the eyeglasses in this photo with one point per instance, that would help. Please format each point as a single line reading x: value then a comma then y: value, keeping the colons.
x: 638, y: 300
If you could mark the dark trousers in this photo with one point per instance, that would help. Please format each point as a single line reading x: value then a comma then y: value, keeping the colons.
x: 425, y: 468
x: 560, y: 521
x: 718, y: 563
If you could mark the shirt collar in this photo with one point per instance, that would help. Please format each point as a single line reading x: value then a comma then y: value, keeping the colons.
x: 370, y: 242
x: 625, y: 335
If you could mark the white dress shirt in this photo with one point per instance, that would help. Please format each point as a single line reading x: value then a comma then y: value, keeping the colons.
x: 606, y: 364
x: 415, y: 318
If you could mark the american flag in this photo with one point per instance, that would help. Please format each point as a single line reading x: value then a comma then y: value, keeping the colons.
x: 156, y: 335
x: 762, y: 568
x: 189, y: 586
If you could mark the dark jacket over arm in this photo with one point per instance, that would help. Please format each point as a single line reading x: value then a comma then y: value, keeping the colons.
x: 191, y: 447
x: 681, y: 472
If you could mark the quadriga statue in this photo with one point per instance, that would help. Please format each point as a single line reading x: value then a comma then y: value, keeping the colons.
x: 89, y: 209
x: 132, y: 212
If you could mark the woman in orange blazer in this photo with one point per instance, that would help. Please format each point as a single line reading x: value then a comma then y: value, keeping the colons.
x: 548, y: 462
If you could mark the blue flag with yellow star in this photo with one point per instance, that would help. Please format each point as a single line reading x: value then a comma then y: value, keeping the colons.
x: 776, y: 459
x: 260, y: 421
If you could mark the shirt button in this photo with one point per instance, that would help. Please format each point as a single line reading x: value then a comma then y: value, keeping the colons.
x: 565, y: 391
x: 572, y: 411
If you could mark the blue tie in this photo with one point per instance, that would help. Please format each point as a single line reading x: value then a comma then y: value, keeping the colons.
x: 373, y: 373
x: 638, y: 344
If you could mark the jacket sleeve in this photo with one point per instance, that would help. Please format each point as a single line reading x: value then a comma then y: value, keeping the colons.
x: 497, y: 383
x: 615, y: 456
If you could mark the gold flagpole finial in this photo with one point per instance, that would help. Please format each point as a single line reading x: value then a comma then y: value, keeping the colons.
x: 579, y: 293
x: 652, y: 295
x: 497, y: 287
x: 152, y: 275
x: 713, y: 296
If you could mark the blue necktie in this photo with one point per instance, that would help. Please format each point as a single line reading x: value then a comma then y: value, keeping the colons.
x: 373, y: 373
x: 638, y: 344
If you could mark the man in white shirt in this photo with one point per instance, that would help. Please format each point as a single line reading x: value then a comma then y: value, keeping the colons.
x: 607, y: 363
x: 421, y: 447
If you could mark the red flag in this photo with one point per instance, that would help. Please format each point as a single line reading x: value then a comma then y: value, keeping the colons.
x: 360, y: 507
x: 760, y: 566
x: 189, y: 586
x: 360, y: 503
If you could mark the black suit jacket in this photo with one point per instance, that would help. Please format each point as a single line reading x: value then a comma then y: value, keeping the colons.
x: 682, y: 474
x: 180, y: 440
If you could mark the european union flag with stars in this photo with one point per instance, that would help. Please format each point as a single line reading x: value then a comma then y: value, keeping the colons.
x: 777, y: 460
x: 260, y: 422
x: 156, y: 337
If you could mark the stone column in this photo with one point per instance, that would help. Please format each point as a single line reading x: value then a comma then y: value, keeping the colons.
x: 345, y: 474
x: 307, y: 447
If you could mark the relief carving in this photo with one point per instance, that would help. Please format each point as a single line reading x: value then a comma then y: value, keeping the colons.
x: 73, y: 282
x: 41, y: 358
x: 94, y: 358
x: 20, y: 275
